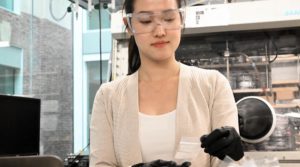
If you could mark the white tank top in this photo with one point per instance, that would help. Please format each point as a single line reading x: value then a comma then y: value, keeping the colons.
x: 157, y: 136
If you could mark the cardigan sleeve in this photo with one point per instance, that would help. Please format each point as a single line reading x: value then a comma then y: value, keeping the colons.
x: 224, y: 110
x: 102, y: 152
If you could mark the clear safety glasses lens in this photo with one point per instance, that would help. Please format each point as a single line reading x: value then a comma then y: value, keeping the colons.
x: 146, y: 22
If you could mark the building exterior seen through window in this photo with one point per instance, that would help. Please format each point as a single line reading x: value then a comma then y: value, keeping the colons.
x: 37, y: 62
x: 57, y: 62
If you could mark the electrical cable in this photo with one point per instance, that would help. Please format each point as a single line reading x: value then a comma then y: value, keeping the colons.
x: 275, y: 46
x: 276, y: 51
x: 100, y: 43
x: 52, y: 14
x: 100, y: 54
x: 298, y: 69
x: 98, y: 7
x: 106, y: 9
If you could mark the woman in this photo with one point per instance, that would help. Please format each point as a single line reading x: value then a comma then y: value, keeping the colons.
x: 141, y: 118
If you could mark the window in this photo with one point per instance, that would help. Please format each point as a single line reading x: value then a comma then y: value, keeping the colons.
x: 7, y: 4
x: 87, y: 69
x: 93, y: 84
x: 7, y: 80
x: 93, y: 20
x: 11, y: 70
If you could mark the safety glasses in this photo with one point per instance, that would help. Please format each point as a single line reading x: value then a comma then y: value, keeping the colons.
x: 146, y: 22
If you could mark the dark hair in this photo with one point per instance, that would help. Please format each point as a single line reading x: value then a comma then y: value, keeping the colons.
x: 134, y: 60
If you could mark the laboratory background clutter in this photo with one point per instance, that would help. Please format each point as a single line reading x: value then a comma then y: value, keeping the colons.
x: 55, y: 54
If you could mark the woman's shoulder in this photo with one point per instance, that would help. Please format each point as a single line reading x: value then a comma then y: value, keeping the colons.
x: 116, y: 85
x: 205, y: 78
x: 202, y: 73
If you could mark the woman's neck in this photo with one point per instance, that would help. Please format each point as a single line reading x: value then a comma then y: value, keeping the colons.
x: 158, y: 71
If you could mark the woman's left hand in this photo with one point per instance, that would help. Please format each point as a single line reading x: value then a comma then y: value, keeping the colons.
x: 223, y: 141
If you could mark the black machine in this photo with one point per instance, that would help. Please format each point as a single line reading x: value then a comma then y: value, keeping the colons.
x: 19, y: 125
x: 76, y: 161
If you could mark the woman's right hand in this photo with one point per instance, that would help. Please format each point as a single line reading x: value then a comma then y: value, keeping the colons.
x: 162, y: 163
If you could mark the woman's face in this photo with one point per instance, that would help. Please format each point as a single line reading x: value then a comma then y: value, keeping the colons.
x: 158, y: 25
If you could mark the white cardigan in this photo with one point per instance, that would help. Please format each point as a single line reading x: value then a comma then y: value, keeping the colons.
x: 205, y: 102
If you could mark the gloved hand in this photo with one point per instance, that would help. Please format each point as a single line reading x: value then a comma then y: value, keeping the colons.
x: 162, y: 163
x: 223, y: 141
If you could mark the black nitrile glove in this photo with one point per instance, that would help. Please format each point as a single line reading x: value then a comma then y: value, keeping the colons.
x: 223, y: 141
x: 162, y: 163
